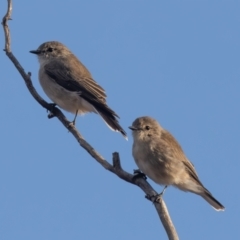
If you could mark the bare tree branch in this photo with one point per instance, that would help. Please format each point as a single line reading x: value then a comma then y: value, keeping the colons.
x: 116, y: 167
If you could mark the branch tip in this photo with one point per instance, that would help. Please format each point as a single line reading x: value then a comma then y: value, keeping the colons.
x: 116, y: 161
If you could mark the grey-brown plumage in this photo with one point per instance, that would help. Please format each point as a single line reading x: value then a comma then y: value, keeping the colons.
x: 69, y: 84
x: 161, y: 158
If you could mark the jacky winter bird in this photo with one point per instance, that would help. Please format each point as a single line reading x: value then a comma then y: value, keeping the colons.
x: 161, y: 158
x: 69, y: 84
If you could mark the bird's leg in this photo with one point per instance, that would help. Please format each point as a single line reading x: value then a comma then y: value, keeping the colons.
x: 156, y: 198
x: 74, y: 120
x: 138, y: 174
x: 164, y: 189
x: 52, y: 105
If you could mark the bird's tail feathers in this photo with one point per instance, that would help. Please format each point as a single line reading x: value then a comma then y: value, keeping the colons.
x: 197, y: 188
x: 110, y: 118
x: 211, y: 200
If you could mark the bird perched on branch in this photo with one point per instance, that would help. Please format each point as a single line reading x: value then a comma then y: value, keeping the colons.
x: 161, y: 158
x: 69, y: 84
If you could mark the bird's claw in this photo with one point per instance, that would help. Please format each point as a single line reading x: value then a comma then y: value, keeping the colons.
x: 51, y: 115
x: 138, y: 174
x: 51, y: 105
x: 156, y: 198
x: 72, y: 123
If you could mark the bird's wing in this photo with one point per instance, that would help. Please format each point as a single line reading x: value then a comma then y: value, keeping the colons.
x: 191, y: 170
x: 75, y: 80
x: 79, y: 80
x: 176, y: 152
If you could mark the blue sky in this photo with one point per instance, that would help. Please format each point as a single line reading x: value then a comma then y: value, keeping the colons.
x: 177, y: 62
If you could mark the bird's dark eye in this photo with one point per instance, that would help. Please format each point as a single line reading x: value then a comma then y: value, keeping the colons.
x: 147, y: 127
x: 50, y: 49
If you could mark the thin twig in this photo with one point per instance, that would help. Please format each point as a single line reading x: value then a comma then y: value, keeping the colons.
x: 5, y: 26
x: 116, y: 167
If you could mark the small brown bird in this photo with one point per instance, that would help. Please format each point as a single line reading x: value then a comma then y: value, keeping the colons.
x: 69, y: 84
x: 161, y: 158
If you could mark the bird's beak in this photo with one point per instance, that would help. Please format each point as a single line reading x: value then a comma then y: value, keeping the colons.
x: 132, y: 128
x: 35, y: 51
